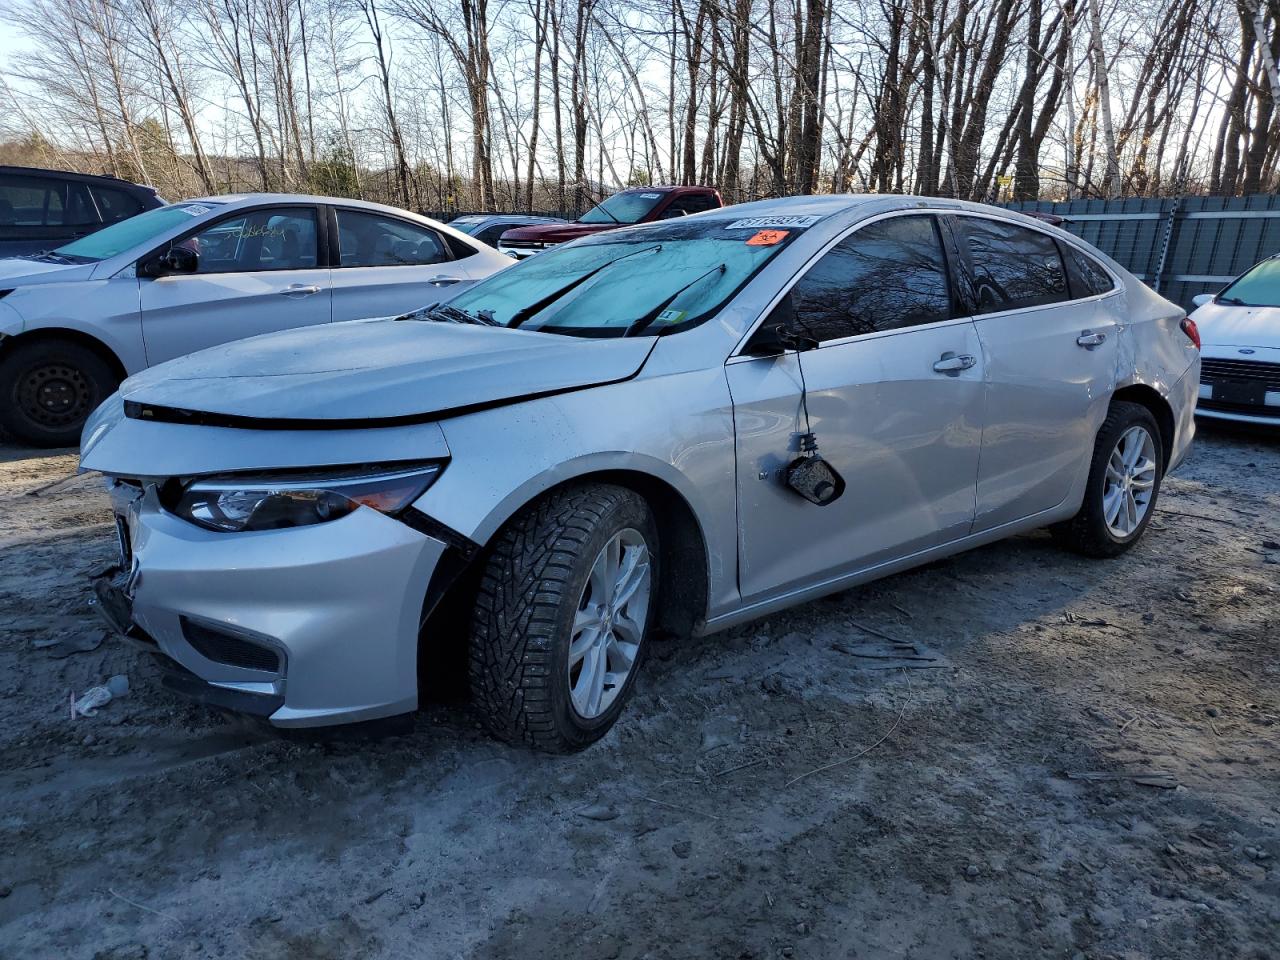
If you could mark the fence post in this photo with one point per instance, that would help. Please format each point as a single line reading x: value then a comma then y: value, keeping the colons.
x: 1164, y: 244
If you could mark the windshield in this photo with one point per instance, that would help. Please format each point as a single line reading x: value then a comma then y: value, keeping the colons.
x: 629, y: 207
x: 127, y: 234
x: 647, y: 280
x: 1260, y: 287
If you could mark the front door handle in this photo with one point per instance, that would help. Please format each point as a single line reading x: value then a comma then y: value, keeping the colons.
x: 952, y: 363
x: 1088, y: 339
x: 444, y: 281
x: 299, y: 290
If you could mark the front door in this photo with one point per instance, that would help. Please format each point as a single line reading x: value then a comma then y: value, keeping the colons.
x: 1050, y: 355
x: 895, y: 399
x: 257, y: 272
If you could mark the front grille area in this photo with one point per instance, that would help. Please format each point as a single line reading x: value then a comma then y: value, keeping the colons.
x: 1214, y: 370
x: 1248, y: 409
x: 224, y: 648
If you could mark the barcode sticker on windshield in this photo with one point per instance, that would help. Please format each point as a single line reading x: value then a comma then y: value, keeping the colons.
x: 760, y: 223
x: 650, y: 196
x: 195, y: 209
x: 670, y: 316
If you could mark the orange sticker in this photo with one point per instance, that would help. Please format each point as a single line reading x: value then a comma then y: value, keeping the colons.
x: 767, y: 238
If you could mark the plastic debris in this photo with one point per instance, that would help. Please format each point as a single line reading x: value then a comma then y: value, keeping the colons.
x: 99, y: 696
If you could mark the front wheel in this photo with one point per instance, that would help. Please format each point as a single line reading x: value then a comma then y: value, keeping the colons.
x: 48, y: 388
x: 561, y: 617
x: 1124, y: 481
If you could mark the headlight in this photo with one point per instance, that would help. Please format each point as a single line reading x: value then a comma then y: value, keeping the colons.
x: 273, y: 503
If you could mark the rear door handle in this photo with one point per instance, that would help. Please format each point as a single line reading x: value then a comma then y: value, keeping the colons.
x: 299, y: 290
x: 1088, y: 339
x: 952, y: 363
x: 443, y: 281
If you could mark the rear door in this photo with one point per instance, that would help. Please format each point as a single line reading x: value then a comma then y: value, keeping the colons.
x: 1050, y: 353
x: 895, y: 397
x: 259, y: 271
x: 387, y: 266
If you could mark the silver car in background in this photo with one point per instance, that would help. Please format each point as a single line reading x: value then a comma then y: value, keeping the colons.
x: 671, y: 428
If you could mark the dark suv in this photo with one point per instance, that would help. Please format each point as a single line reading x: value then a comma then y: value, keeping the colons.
x: 43, y: 209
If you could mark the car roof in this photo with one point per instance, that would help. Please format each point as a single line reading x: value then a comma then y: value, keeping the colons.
x: 73, y: 175
x: 256, y: 199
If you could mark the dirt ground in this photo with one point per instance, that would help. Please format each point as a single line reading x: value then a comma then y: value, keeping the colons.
x: 1081, y: 760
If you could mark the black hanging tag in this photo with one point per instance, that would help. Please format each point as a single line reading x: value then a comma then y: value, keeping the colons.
x: 811, y: 476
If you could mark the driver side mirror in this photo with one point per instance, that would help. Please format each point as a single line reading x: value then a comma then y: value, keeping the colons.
x: 174, y: 260
x: 779, y: 333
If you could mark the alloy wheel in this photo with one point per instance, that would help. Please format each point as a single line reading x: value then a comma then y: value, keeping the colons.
x: 1130, y: 480
x: 609, y: 624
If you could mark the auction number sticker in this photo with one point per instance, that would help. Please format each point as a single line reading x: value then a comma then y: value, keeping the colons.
x: 766, y: 223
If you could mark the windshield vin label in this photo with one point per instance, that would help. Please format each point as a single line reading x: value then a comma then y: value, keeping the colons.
x: 761, y: 223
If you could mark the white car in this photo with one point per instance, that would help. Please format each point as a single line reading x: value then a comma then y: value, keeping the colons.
x: 74, y: 322
x: 1240, y: 332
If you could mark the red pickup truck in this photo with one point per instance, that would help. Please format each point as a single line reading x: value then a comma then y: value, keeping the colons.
x: 636, y: 205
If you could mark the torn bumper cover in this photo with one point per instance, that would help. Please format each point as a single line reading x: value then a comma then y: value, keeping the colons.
x: 307, y: 626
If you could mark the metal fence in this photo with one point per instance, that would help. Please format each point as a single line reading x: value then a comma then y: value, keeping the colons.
x: 1180, y: 246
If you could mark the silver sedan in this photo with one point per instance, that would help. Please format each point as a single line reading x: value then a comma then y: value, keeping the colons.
x: 665, y: 429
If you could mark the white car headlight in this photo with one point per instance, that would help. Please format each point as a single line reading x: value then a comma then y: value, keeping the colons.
x: 272, y: 503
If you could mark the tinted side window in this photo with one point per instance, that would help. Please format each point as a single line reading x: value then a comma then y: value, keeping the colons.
x: 43, y: 202
x: 1009, y: 267
x: 115, y: 204
x: 694, y: 203
x: 886, y: 275
x: 372, y: 240
x: 1088, y: 277
x: 490, y: 235
x: 259, y: 240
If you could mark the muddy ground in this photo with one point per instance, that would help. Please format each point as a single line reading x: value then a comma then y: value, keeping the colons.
x: 779, y: 790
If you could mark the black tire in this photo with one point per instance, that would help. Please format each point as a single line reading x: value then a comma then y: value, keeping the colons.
x: 48, y: 388
x: 1087, y: 532
x: 533, y: 580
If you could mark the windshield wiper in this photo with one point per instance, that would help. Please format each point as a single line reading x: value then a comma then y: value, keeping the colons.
x: 601, y: 208
x: 1232, y: 301
x: 643, y: 323
x: 533, y: 309
x: 445, y: 313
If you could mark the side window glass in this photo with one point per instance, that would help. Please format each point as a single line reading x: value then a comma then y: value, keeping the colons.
x: 490, y: 235
x: 258, y: 240
x: 115, y: 204
x: 1088, y: 277
x: 1009, y: 267
x: 372, y: 240
x: 885, y: 276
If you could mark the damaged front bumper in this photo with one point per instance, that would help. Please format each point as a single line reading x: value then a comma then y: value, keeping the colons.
x: 307, y: 626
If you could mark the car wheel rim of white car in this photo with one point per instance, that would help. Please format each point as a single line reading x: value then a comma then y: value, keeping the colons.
x: 609, y: 623
x: 1130, y: 481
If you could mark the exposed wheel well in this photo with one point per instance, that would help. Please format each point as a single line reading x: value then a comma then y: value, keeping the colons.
x: 1148, y: 397
x: 685, y: 582
x: 53, y: 334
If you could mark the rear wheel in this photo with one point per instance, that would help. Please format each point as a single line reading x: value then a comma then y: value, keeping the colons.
x: 48, y: 388
x: 562, y: 615
x: 1124, y: 481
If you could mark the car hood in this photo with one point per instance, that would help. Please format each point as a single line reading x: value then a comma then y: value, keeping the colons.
x: 1221, y: 324
x: 557, y: 232
x: 19, y: 272
x: 373, y: 373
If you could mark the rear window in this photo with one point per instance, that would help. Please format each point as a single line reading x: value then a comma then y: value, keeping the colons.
x: 116, y: 204
x: 1089, y: 278
x: 1009, y: 267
